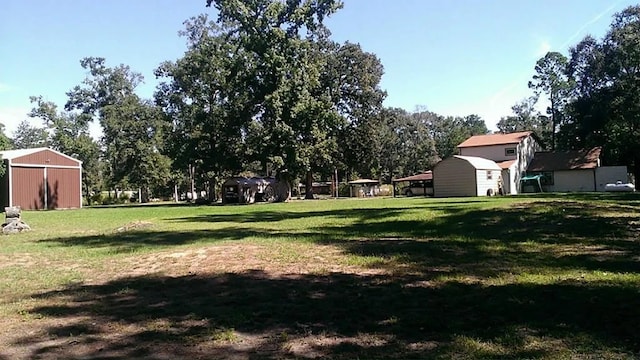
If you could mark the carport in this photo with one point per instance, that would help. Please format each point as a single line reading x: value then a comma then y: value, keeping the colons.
x: 422, y: 182
x: 364, y: 187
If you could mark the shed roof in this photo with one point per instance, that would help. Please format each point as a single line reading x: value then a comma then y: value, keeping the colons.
x: 566, y: 160
x: 14, y: 154
x: 479, y: 163
x: 427, y: 175
x: 495, y: 139
x: 363, y: 182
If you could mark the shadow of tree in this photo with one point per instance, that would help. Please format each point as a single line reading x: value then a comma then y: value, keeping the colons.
x: 404, y: 314
x: 363, y: 316
x: 575, y: 236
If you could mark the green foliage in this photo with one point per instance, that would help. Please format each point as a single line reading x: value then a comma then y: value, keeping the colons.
x: 27, y: 136
x: 96, y: 198
x: 448, y: 132
x: 207, y: 98
x: 5, y: 144
x: 605, y: 106
x: 133, y: 129
x: 408, y: 146
x: 265, y: 84
x: 526, y: 118
x: 551, y: 78
x: 134, y: 132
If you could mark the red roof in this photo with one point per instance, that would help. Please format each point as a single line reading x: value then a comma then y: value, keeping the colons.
x: 495, y: 139
x: 566, y: 160
x: 505, y: 164
x: 427, y: 175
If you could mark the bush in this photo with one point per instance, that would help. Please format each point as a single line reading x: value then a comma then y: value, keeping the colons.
x: 344, y: 190
x: 123, y: 198
x: 385, y: 190
x: 96, y: 198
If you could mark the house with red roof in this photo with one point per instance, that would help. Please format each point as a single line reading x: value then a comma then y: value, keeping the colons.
x: 511, y: 152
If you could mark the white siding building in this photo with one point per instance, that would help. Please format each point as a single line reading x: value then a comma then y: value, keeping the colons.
x: 575, y: 170
x: 512, y: 152
x: 466, y: 176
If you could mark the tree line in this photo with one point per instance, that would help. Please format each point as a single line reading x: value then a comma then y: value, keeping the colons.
x: 264, y: 89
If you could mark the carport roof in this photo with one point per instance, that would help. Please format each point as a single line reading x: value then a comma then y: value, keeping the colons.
x: 427, y: 175
x: 363, y: 182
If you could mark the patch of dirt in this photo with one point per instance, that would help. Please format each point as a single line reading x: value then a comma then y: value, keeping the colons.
x: 135, y: 225
x: 80, y: 335
x: 237, y: 258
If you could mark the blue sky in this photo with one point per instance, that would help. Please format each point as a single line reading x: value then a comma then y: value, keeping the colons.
x: 454, y: 57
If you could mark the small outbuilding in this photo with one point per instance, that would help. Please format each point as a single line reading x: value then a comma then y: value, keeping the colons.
x: 364, y: 187
x: 466, y: 176
x: 243, y: 190
x: 40, y: 178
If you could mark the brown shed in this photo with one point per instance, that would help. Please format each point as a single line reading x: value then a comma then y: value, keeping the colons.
x: 40, y: 178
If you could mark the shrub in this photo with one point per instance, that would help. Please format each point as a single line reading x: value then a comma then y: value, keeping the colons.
x: 344, y: 190
x: 385, y: 190
x: 123, y: 198
x: 96, y: 198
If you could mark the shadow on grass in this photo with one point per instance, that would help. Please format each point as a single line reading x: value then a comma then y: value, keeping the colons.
x: 126, y: 242
x: 339, y: 316
x: 560, y: 234
x: 427, y: 310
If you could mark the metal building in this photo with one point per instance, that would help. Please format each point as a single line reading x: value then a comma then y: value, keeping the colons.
x: 466, y: 176
x: 40, y: 178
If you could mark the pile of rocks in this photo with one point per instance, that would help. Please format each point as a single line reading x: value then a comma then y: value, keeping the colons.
x: 13, y: 223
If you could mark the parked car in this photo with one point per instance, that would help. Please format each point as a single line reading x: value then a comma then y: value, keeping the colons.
x: 418, y: 188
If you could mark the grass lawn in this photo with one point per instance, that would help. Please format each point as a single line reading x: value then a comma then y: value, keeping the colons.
x: 530, y: 277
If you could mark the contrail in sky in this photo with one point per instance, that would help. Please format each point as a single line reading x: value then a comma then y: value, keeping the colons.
x: 590, y: 22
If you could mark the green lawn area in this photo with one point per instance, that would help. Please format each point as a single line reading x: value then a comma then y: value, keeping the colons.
x: 526, y: 277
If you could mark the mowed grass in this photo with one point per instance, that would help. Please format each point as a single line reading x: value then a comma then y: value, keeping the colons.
x: 530, y: 277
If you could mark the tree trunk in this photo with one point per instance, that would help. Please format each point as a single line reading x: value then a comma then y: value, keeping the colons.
x: 87, y: 195
x: 144, y: 194
x: 553, y: 124
x: 282, y: 187
x: 212, y: 189
x: 309, y: 186
x: 636, y: 169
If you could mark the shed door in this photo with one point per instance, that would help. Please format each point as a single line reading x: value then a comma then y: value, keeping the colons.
x: 27, y: 187
x: 63, y: 188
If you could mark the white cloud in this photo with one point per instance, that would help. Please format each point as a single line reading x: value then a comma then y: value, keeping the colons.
x: 10, y: 117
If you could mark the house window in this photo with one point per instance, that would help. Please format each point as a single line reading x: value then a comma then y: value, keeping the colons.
x: 489, y: 174
x: 510, y: 152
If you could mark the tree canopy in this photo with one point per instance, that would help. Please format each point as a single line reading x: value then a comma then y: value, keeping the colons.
x: 603, y: 97
x: 260, y: 88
